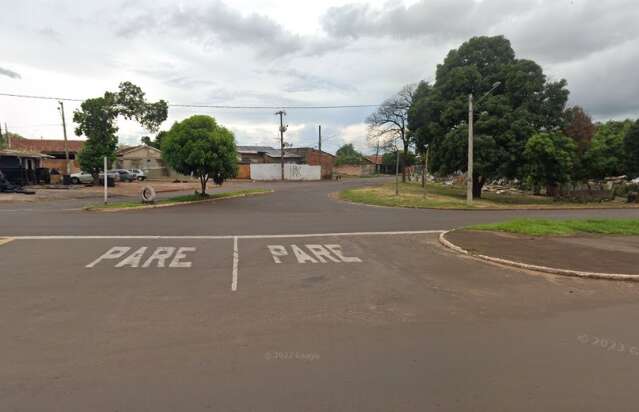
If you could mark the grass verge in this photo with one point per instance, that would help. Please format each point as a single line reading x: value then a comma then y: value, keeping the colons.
x: 438, y: 196
x: 545, y: 227
x: 176, y: 200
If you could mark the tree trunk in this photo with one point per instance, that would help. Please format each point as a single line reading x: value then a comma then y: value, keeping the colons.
x: 552, y: 189
x: 478, y: 184
x: 404, y: 158
x: 203, y: 180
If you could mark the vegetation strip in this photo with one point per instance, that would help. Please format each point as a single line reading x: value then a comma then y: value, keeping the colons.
x: 439, y: 196
x: 537, y: 268
x: 177, y: 200
x: 546, y: 227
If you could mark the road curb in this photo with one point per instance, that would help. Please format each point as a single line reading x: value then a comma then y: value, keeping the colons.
x: 537, y: 268
x: 123, y: 209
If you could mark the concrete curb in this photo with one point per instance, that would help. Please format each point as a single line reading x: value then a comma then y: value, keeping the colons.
x: 537, y: 268
x: 122, y: 209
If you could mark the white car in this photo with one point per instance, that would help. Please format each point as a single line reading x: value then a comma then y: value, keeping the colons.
x: 86, y: 178
x: 138, y: 174
x: 635, y: 180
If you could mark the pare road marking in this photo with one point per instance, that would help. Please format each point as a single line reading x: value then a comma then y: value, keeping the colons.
x: 140, y: 258
x: 311, y: 253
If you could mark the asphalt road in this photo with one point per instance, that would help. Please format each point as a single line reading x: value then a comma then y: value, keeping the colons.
x: 287, y: 302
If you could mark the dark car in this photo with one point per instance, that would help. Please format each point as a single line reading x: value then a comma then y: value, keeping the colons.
x: 124, y: 175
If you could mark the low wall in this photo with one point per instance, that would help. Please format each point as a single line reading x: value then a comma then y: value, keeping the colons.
x: 272, y: 171
x: 355, y: 170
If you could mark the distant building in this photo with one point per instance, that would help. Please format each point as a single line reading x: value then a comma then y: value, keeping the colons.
x: 54, y: 149
x: 22, y: 167
x: 314, y: 157
x: 146, y: 158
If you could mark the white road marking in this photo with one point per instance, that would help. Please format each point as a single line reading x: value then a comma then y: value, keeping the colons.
x: 4, y: 241
x: 236, y: 262
x: 115, y: 252
x: 222, y: 237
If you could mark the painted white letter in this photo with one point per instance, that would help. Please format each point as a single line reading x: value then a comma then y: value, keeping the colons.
x: 320, y: 253
x: 277, y: 251
x: 113, y: 253
x: 133, y: 260
x: 301, y: 256
x: 337, y: 249
x: 161, y: 254
x: 179, y: 255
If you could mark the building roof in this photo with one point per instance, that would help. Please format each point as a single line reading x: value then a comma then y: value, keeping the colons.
x: 267, y: 150
x: 306, y: 149
x: 125, y: 150
x: 23, y: 153
x: 375, y: 159
x: 46, y: 145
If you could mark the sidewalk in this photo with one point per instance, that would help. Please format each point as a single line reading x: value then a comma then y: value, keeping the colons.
x: 587, y: 253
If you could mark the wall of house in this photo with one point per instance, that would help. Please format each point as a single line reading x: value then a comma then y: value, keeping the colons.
x: 355, y: 170
x: 61, y: 165
x: 272, y: 171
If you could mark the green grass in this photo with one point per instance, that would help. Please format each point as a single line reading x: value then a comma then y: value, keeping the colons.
x: 545, y: 227
x: 180, y: 199
x: 454, y: 197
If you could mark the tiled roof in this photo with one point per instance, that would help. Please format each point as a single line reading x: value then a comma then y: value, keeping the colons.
x: 46, y: 145
x: 269, y: 151
x: 376, y: 160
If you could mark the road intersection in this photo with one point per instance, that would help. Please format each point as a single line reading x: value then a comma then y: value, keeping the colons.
x: 295, y: 301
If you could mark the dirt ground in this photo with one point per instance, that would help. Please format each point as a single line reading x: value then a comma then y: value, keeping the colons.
x: 590, y: 253
x: 51, y: 192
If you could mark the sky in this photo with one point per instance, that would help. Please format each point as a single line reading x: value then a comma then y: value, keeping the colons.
x: 287, y: 53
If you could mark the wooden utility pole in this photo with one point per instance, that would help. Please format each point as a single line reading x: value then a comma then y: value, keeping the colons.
x: 469, y: 174
x: 377, y: 158
x: 64, y: 129
x: 282, y: 113
x: 320, y: 140
x: 6, y: 133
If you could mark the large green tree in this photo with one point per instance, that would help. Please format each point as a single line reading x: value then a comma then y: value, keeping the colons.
x: 550, y: 159
x: 347, y: 155
x: 606, y: 157
x: 631, y: 150
x: 96, y: 119
x: 524, y: 104
x: 199, y: 146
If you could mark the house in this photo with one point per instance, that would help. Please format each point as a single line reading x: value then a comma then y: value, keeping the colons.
x: 148, y: 159
x: 314, y: 157
x: 366, y: 168
x: 378, y: 161
x: 23, y: 167
x: 261, y: 154
x: 54, y: 149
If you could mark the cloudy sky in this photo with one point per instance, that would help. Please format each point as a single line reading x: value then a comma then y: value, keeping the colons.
x: 267, y: 52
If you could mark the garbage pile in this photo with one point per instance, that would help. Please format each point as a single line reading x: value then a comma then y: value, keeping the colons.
x: 7, y: 187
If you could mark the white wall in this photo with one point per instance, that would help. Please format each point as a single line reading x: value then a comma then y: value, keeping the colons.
x: 273, y: 171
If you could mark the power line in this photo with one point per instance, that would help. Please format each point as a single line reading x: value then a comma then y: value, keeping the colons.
x: 204, y: 106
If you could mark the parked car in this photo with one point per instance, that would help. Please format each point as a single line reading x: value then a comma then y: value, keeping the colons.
x: 635, y: 180
x: 124, y: 175
x: 81, y: 178
x: 138, y: 174
x: 85, y: 178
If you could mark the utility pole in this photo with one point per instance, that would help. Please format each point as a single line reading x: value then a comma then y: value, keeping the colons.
x: 469, y: 177
x: 282, y: 113
x: 397, y: 171
x: 64, y: 129
x: 6, y: 133
x: 377, y: 158
x: 320, y: 140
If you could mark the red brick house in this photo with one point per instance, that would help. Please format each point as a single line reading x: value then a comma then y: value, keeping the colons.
x: 52, y: 148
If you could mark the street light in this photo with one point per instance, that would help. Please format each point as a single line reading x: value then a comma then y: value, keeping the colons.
x: 471, y: 115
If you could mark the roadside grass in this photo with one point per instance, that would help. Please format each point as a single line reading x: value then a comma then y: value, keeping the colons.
x: 545, y: 227
x: 438, y: 196
x: 176, y: 200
